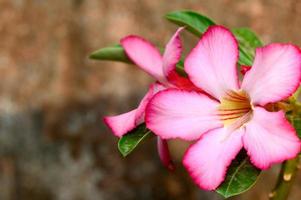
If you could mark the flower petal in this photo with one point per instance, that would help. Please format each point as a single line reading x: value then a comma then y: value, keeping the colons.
x: 164, y: 154
x: 211, y: 65
x: 275, y: 74
x: 208, y: 159
x: 182, y: 82
x: 244, y: 69
x: 145, y: 55
x: 121, y: 124
x: 172, y: 53
x: 181, y: 114
x: 153, y: 89
x: 269, y: 138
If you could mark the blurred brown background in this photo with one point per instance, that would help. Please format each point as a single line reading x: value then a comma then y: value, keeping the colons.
x: 53, y: 144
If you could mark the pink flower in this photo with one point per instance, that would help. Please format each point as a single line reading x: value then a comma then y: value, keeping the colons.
x: 233, y: 116
x: 162, y: 68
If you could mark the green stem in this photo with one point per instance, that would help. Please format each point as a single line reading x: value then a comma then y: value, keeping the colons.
x: 285, y: 180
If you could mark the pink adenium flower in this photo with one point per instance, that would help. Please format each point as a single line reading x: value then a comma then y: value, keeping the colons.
x: 163, y: 68
x: 233, y: 116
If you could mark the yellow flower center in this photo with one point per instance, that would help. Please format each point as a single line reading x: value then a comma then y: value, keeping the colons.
x: 235, y: 109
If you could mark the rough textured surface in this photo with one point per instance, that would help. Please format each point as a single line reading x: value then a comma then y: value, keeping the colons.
x: 53, y: 144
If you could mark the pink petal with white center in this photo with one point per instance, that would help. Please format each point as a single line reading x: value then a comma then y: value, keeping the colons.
x: 164, y: 154
x: 275, y: 74
x: 172, y: 53
x: 145, y: 55
x: 121, y: 124
x: 270, y: 138
x: 181, y: 114
x: 208, y: 159
x: 211, y: 65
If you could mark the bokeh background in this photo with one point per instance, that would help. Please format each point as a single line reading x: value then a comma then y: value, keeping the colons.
x: 53, y: 143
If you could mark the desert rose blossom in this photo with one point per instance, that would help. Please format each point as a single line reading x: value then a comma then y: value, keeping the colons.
x: 163, y: 68
x: 233, y: 117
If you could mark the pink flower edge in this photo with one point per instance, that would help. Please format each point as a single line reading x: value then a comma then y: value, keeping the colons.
x: 204, y: 161
x: 121, y: 124
x: 145, y: 55
x: 276, y: 142
x: 277, y: 69
x: 213, y: 61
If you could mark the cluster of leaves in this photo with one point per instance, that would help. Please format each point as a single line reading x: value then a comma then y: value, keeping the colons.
x: 241, y: 175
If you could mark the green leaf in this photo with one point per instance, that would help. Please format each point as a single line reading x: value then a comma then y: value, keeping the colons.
x: 131, y: 140
x: 297, y: 125
x: 111, y: 53
x: 193, y: 21
x: 296, y: 122
x: 241, y: 176
x: 248, y: 42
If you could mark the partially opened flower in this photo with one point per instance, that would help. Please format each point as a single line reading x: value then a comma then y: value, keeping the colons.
x: 233, y: 116
x: 163, y: 69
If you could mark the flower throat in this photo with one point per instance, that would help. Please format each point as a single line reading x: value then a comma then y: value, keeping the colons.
x: 235, y: 109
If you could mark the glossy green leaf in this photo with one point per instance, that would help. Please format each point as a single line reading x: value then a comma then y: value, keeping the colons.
x: 111, y: 53
x: 241, y: 176
x: 131, y: 140
x: 248, y: 42
x: 193, y: 21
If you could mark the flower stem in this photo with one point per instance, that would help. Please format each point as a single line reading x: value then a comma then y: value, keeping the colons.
x: 285, y: 180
